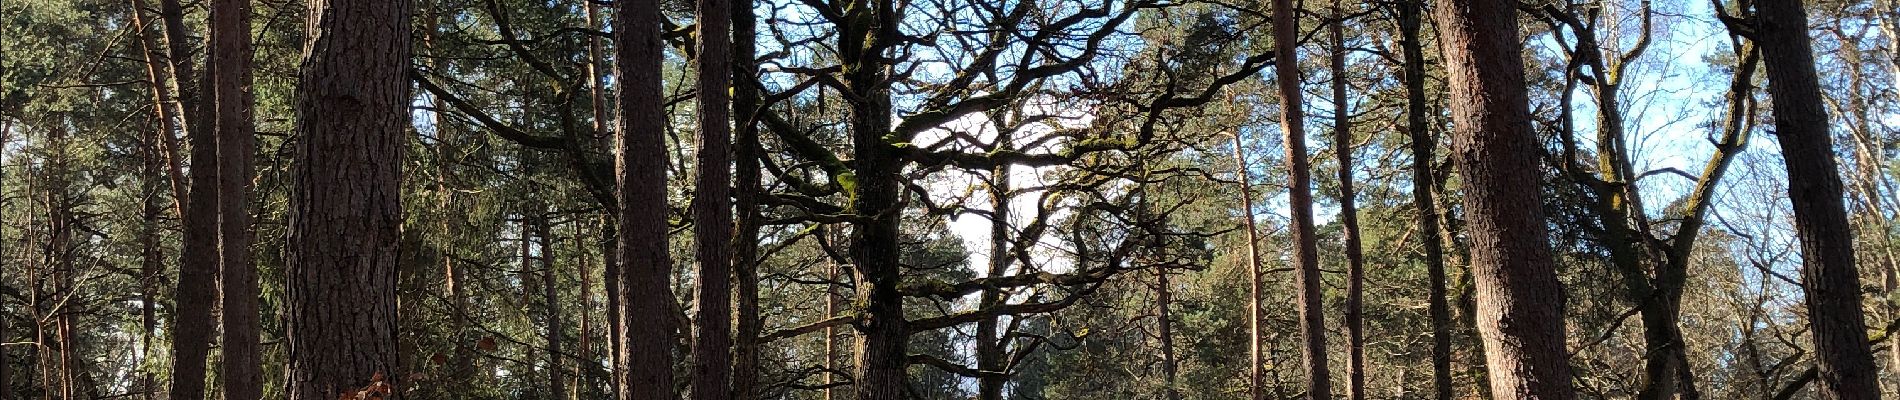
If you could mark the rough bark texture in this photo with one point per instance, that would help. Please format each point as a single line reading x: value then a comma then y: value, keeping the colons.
x: 551, y: 310
x: 989, y: 344
x: 1424, y: 147
x: 883, y: 333
x: 1254, y: 365
x: 1306, y: 278
x: 747, y: 188
x: 712, y: 206
x: 1348, y: 216
x: 1165, y: 330
x: 647, y: 322
x: 241, y: 367
x: 1519, y: 300
x: 345, y: 208
x: 1831, y: 280
x: 198, y: 256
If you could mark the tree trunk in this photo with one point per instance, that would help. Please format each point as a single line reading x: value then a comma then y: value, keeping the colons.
x: 1831, y: 280
x: 1165, y: 322
x: 989, y: 346
x: 1348, y: 215
x: 1424, y: 147
x: 747, y: 190
x: 646, y: 361
x: 6, y: 369
x: 1520, y: 303
x: 192, y: 322
x: 241, y: 363
x: 345, y: 204
x: 1306, y: 279
x: 550, y: 296
x: 883, y: 333
x: 712, y: 205
x: 1254, y: 363
x: 170, y: 112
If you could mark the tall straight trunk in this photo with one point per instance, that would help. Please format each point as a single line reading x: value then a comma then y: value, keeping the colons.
x: 448, y: 146
x: 610, y: 277
x: 345, y: 203
x: 747, y: 189
x: 150, y: 262
x: 551, y: 310
x: 832, y: 303
x: 198, y: 268
x: 712, y: 206
x: 1348, y: 215
x: 1254, y: 363
x: 1831, y: 281
x: 883, y: 333
x: 1164, y: 296
x: 610, y: 266
x: 198, y: 256
x: 646, y: 359
x: 1424, y: 147
x: 6, y: 372
x: 241, y: 368
x: 1306, y: 278
x: 584, y: 349
x: 1519, y: 300
x: 60, y: 250
x: 989, y: 346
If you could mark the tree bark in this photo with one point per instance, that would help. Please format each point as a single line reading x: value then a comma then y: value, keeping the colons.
x: 712, y: 205
x: 747, y: 189
x: 550, y: 296
x: 241, y: 364
x: 1254, y: 363
x: 1424, y: 148
x: 1165, y: 328
x: 989, y: 346
x: 883, y: 332
x: 345, y: 203
x: 1348, y: 215
x: 198, y: 256
x: 1831, y: 281
x: 646, y: 361
x: 1520, y: 303
x: 1306, y: 279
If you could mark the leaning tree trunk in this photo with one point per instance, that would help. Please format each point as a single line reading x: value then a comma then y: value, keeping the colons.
x: 345, y: 203
x: 646, y: 359
x: 1520, y: 303
x: 1306, y: 278
x: 712, y: 206
x: 1831, y: 281
x: 1254, y: 366
x: 241, y: 367
x: 1424, y: 148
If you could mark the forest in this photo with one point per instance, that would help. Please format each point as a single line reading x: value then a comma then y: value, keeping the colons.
x: 949, y: 199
